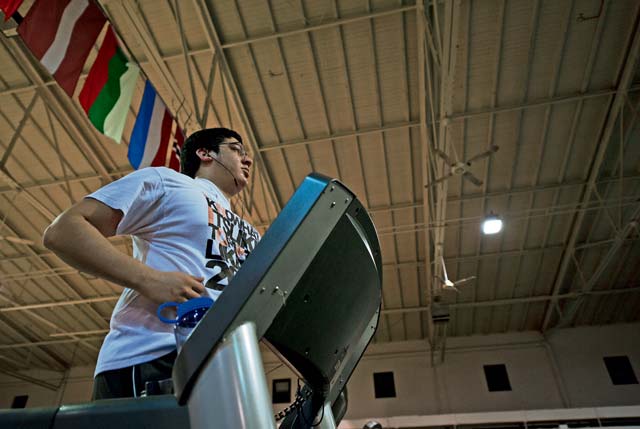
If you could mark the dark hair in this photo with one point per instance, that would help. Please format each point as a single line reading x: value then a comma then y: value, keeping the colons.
x: 209, y: 139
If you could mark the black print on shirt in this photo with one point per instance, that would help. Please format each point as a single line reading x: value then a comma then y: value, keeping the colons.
x: 236, y: 240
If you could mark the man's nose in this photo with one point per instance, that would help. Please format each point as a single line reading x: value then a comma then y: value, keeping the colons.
x: 247, y: 160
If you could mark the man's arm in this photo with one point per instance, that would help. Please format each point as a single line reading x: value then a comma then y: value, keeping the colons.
x: 79, y: 237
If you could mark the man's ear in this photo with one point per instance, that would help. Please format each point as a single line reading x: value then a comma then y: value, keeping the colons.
x: 204, y: 154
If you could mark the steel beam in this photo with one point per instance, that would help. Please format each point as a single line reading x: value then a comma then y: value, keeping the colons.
x: 47, y: 322
x: 343, y: 135
x: 51, y: 272
x: 504, y: 253
x: 57, y: 182
x: 49, y: 358
x: 425, y: 144
x: 491, y: 303
x: 207, y: 100
x: 394, y: 266
x: 7, y: 178
x: 543, y: 212
x: 65, y: 110
x: 148, y: 45
x: 213, y: 40
x: 187, y: 62
x: 25, y: 116
x: 491, y: 126
x: 334, y: 23
x: 571, y: 309
x: 93, y: 332
x: 43, y: 320
x: 617, y: 104
x: 43, y: 343
x: 29, y: 379
x: 514, y: 301
x: 552, y: 100
x: 59, y: 304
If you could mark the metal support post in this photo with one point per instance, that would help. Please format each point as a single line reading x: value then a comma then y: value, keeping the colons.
x: 231, y: 391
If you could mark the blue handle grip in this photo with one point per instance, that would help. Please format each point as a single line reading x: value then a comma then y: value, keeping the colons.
x: 162, y: 307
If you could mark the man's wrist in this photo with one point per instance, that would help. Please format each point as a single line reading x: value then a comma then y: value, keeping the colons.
x: 143, y: 276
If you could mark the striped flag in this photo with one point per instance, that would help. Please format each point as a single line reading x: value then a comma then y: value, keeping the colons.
x: 151, y: 132
x: 9, y: 7
x: 107, y: 92
x: 60, y: 33
x: 176, y: 150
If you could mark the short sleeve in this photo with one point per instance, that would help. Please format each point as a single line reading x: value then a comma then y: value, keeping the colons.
x: 138, y: 196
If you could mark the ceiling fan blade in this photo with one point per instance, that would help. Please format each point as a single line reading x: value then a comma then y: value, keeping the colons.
x: 463, y: 281
x: 493, y: 149
x: 444, y: 269
x: 473, y: 179
x: 442, y: 155
x: 441, y: 179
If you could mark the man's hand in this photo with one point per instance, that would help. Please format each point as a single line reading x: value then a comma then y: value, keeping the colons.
x: 174, y: 286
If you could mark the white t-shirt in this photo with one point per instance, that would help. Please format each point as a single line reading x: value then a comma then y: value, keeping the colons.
x: 177, y: 224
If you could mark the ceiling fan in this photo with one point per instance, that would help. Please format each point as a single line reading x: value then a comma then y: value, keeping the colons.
x: 448, y: 284
x: 459, y: 168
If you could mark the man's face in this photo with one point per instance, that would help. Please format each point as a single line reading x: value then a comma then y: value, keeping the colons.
x: 233, y: 155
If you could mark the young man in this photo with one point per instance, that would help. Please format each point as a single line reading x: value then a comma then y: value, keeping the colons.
x: 186, y: 243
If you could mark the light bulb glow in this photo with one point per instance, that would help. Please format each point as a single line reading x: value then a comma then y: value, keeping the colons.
x: 492, y: 225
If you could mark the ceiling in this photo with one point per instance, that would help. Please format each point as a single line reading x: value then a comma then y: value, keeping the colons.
x: 367, y: 92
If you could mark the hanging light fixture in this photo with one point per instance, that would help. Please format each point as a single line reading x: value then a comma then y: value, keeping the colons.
x: 492, y: 224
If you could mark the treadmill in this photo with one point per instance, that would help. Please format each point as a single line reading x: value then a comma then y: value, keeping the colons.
x: 310, y: 290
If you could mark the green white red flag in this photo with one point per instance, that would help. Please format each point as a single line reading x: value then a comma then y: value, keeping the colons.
x: 108, y: 90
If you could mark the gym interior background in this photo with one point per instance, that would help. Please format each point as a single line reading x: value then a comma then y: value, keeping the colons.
x: 436, y: 114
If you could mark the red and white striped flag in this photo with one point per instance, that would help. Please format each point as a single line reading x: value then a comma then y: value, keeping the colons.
x: 60, y: 33
x: 9, y: 7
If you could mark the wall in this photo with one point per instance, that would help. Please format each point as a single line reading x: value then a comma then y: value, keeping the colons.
x: 563, y: 370
x: 73, y: 387
x: 457, y: 385
x: 579, y: 354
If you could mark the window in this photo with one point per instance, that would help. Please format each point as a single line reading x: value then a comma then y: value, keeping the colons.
x: 624, y: 421
x: 281, y: 391
x: 497, y: 378
x: 384, y: 385
x: 620, y: 370
x: 20, y: 401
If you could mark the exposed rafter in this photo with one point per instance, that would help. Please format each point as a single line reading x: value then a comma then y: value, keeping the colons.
x: 571, y: 309
x: 65, y: 110
x: 425, y: 144
x: 525, y: 300
x: 213, y: 40
x: 626, y: 77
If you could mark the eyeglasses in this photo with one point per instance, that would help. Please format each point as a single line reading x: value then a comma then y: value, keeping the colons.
x: 236, y: 147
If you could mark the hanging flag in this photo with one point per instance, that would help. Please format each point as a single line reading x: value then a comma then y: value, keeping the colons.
x: 107, y: 92
x: 151, y: 132
x: 176, y: 150
x: 60, y: 33
x: 9, y: 7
